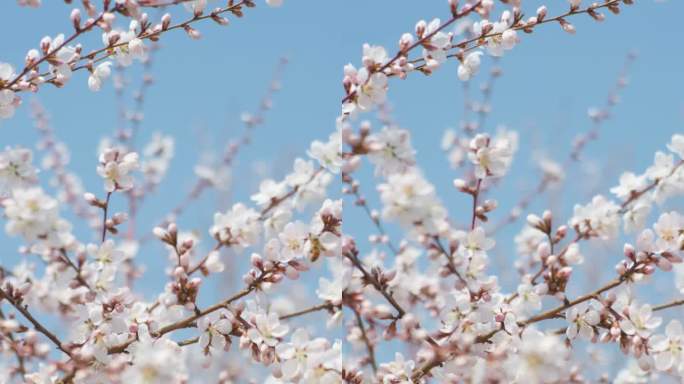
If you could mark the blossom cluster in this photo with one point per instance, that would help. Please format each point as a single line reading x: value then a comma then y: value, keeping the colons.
x: 278, y: 288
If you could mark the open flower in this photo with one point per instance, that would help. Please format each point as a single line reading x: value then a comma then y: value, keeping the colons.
x: 267, y: 330
x: 99, y: 74
x: 215, y: 329
x: 116, y: 167
x: 640, y: 321
x: 582, y: 319
x: 668, y: 349
x: 294, y: 355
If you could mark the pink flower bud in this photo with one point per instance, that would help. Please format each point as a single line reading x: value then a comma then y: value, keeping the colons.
x: 256, y: 260
x: 179, y: 273
x: 76, y: 18
x: 629, y: 252
x: 166, y: 21
x: 420, y: 28
x: 45, y: 44
x: 192, y: 32
x: 185, y: 260
x: 541, y: 13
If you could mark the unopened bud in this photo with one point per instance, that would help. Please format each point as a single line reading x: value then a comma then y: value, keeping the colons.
x: 76, y: 19
x: 629, y: 252
x: 567, y: 27
x: 420, y: 28
x: 192, y: 32
x: 166, y: 21
x: 541, y: 13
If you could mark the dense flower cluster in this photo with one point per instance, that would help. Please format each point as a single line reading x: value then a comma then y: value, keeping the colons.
x: 423, y: 283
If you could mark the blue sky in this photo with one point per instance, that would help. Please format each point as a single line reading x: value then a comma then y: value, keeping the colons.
x: 549, y: 82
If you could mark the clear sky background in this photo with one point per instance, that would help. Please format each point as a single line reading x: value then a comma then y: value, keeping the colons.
x: 549, y: 82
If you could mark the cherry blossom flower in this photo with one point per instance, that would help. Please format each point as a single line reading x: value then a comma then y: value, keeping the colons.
x: 582, y: 319
x: 116, y: 167
x: 215, y: 329
x: 528, y: 300
x: 470, y: 66
x: 64, y: 57
x: 669, y: 228
x: 159, y: 361
x: 635, y: 217
x: 8, y: 100
x: 391, y: 150
x: 268, y: 191
x: 238, y: 227
x: 492, y: 157
x: 398, y: 371
x: 294, y: 355
x: 374, y: 55
x: 410, y: 199
x: 436, y: 48
x: 34, y: 215
x: 677, y: 145
x: 106, y: 253
x: 640, y: 321
x: 373, y: 89
x: 668, y: 348
x: 8, y: 103
x: 540, y: 358
x: 629, y: 183
x: 99, y: 74
x: 293, y: 238
x: 503, y: 38
x: 328, y: 153
x: 213, y: 263
x: 129, y: 46
x: 599, y: 216
x: 303, y: 171
x: 662, y: 166
x: 267, y: 330
x: 16, y: 169
x: 475, y: 242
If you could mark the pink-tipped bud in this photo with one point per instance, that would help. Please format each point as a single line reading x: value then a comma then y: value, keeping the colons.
x: 567, y: 27
x: 119, y: 218
x: 76, y: 18
x: 405, y: 42
x: 166, y: 21
x: 184, y: 260
x: 256, y: 260
x: 172, y: 228
x: 192, y: 32
x: 562, y: 231
x: 421, y: 26
x: 629, y: 252
x: 541, y: 13
x: 45, y: 43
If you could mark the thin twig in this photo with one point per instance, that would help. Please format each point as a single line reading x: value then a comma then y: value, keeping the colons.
x: 36, y: 324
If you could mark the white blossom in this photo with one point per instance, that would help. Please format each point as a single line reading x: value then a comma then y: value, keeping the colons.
x: 238, y: 227
x: 115, y: 168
